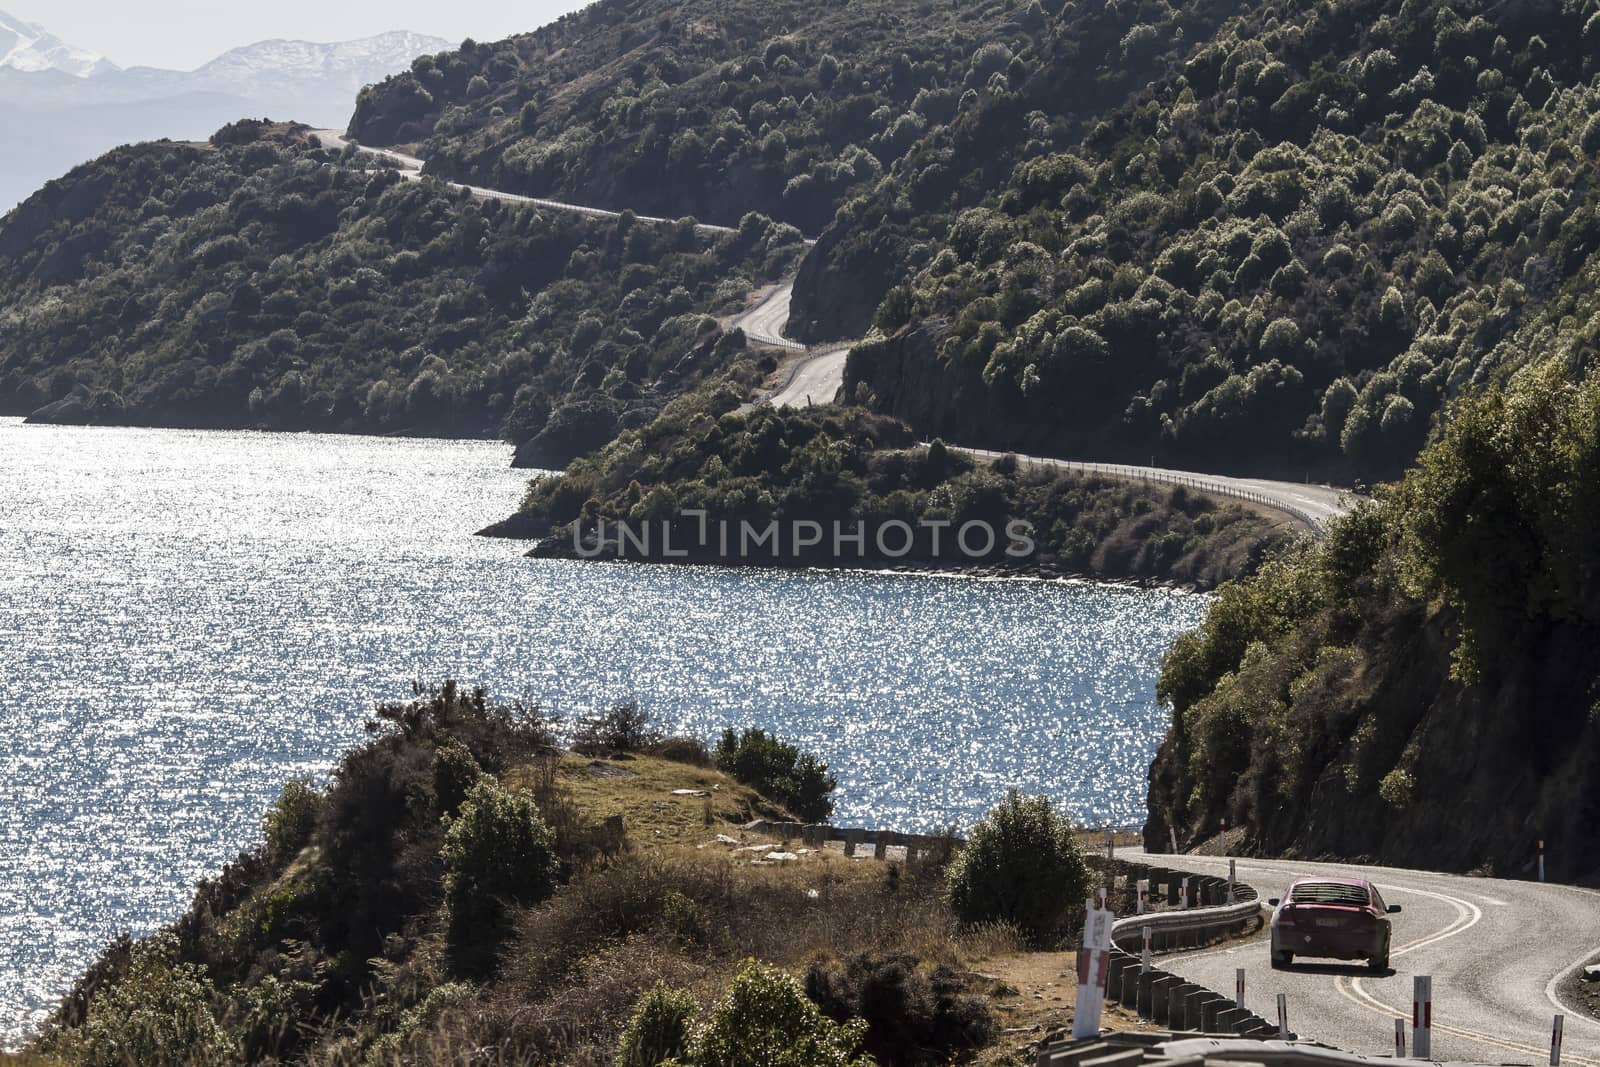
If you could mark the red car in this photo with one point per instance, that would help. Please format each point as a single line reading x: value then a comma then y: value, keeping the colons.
x: 1341, y: 918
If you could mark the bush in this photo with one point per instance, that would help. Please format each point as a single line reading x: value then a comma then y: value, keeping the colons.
x: 156, y: 1013
x: 497, y: 852
x: 765, y: 1020
x: 658, y: 1029
x: 289, y: 822
x: 913, y: 1019
x: 1021, y: 865
x: 799, y: 782
x: 455, y: 772
x: 625, y: 728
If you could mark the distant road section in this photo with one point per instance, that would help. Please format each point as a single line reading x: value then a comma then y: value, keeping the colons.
x: 1313, y: 505
x: 815, y: 375
x: 411, y: 170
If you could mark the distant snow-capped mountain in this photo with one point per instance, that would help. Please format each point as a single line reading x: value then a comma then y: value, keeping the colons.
x: 376, y: 56
x: 61, y: 106
x: 26, y: 47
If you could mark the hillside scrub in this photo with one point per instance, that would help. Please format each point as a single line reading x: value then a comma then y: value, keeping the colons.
x: 713, y: 109
x: 260, y: 282
x: 1285, y: 255
x: 844, y: 466
x: 1341, y: 700
x: 341, y: 940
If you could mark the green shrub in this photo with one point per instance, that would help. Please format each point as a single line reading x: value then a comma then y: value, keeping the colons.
x: 455, y: 772
x: 625, y: 728
x: 1021, y: 865
x: 497, y: 852
x: 658, y: 1029
x: 766, y: 1020
x: 800, y: 782
x: 156, y: 1013
x: 289, y: 822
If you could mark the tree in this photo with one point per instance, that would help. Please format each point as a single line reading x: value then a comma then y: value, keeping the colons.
x: 1021, y: 865
x: 498, y: 852
x: 766, y: 1020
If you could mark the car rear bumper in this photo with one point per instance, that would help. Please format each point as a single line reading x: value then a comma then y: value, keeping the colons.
x: 1331, y: 944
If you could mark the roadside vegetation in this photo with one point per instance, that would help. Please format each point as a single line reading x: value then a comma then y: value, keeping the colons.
x: 1421, y: 687
x: 465, y: 890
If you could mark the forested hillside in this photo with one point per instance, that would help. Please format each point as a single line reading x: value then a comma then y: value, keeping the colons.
x: 256, y: 281
x: 1422, y: 689
x: 1285, y: 256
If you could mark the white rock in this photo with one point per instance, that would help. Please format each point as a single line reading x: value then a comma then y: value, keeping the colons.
x: 780, y: 857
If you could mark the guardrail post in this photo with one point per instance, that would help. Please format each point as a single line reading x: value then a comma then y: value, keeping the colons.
x: 1422, y: 1016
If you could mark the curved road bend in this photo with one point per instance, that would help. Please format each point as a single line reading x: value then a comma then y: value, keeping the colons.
x: 1497, y: 950
x: 816, y: 376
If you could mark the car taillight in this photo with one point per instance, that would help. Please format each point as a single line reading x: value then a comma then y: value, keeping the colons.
x: 1286, y: 916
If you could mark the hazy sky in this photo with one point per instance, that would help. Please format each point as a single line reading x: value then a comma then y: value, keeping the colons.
x: 183, y: 34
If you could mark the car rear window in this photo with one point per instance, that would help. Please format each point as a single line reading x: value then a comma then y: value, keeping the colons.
x: 1354, y: 896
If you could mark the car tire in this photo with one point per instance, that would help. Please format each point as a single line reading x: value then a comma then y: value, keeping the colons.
x: 1281, y: 960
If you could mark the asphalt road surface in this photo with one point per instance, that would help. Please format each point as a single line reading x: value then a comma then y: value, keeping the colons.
x: 1496, y: 950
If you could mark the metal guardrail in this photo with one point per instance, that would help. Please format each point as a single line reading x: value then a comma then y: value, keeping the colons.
x: 1122, y: 472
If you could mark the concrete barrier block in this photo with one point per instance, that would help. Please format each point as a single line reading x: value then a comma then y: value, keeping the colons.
x: 1228, y: 1020
x: 1160, y: 991
x: 1178, y: 1005
x: 1209, y: 1011
x: 1146, y: 982
x: 1119, y: 967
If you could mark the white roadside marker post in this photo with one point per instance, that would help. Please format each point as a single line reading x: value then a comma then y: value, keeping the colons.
x: 1144, y: 957
x: 1172, y: 835
x: 1143, y: 895
x: 1232, y: 877
x: 1188, y: 892
x: 1555, y: 1040
x: 1283, y: 1016
x: 1399, y: 1038
x: 1094, y: 964
x: 1238, y: 987
x: 1422, y: 1016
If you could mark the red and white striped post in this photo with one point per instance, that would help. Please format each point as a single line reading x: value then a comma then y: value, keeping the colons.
x: 1238, y: 987
x: 1188, y: 892
x: 1144, y: 956
x: 1283, y: 1016
x: 1555, y: 1040
x: 1422, y: 1016
x: 1399, y: 1039
x: 1141, y: 901
x: 1094, y: 965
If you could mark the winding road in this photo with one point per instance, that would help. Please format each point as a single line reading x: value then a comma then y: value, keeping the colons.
x: 815, y: 375
x: 1497, y: 951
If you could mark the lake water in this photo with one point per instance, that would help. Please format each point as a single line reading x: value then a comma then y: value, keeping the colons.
x: 188, y: 619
